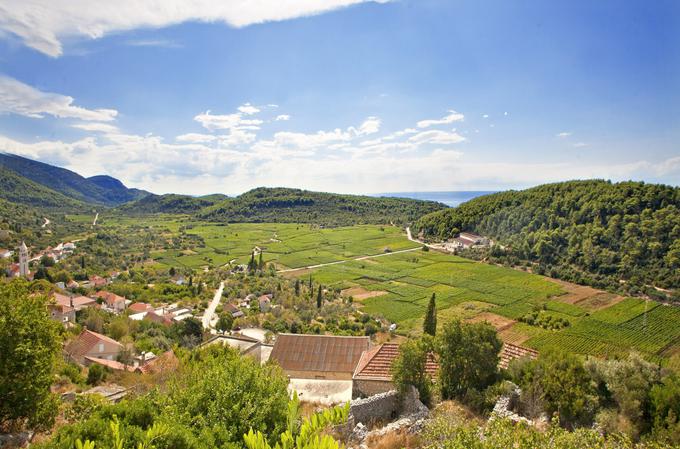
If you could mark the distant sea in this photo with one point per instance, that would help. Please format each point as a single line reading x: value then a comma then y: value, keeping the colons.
x: 451, y: 199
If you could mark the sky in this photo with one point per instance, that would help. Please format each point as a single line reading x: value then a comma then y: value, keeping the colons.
x: 349, y: 96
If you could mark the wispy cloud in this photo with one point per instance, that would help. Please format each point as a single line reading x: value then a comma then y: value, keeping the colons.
x: 453, y: 116
x: 282, y: 117
x: 160, y: 43
x: 22, y: 99
x: 563, y: 134
x: 43, y: 24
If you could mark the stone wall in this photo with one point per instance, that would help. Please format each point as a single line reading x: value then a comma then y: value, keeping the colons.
x: 384, y: 407
x: 362, y: 388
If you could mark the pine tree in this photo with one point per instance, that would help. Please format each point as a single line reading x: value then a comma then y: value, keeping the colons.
x: 430, y: 323
x: 319, y: 298
x: 251, y: 264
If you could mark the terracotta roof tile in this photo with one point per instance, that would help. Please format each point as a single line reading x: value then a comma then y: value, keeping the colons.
x: 511, y: 352
x: 377, y: 363
x: 86, y: 341
x: 323, y: 353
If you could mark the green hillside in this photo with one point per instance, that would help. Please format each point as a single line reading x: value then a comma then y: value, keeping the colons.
x: 620, y: 235
x: 102, y: 190
x: 18, y: 189
x: 284, y: 205
x: 169, y: 204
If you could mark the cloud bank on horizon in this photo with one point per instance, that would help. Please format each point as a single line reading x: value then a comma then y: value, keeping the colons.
x: 374, y: 139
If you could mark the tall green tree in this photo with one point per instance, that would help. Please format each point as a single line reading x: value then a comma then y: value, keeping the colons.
x: 409, y: 369
x: 297, y: 287
x: 430, y: 323
x: 29, y: 345
x: 468, y: 358
x: 319, y: 298
x: 260, y: 263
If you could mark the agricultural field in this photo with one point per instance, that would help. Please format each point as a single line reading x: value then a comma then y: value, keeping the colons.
x: 398, y: 288
x: 392, y: 277
x: 285, y: 245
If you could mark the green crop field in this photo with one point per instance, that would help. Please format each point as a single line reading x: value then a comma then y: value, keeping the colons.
x: 397, y: 285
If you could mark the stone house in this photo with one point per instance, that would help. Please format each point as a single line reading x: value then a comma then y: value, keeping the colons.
x: 319, y: 356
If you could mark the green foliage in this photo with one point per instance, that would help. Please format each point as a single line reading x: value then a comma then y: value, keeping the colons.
x: 592, y: 232
x: 222, y: 395
x: 665, y: 409
x: 281, y: 205
x: 95, y: 374
x: 408, y: 369
x: 503, y: 434
x: 305, y: 435
x: 29, y: 345
x: 167, y: 204
x: 430, y: 323
x: 468, y: 358
x: 562, y: 385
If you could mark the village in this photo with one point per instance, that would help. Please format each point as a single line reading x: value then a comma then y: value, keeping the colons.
x: 322, y: 369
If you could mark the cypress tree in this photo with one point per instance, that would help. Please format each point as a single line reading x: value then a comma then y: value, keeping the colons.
x: 251, y: 264
x: 260, y: 263
x: 297, y: 287
x: 430, y: 323
x: 319, y: 298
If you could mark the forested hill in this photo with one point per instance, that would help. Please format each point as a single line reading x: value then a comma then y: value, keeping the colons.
x: 617, y: 235
x: 327, y: 209
x: 170, y: 204
x: 18, y: 189
x: 101, y: 190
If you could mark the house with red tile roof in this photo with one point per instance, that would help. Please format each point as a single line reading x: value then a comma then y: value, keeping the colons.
x: 92, y: 344
x: 373, y: 373
x: 112, y: 301
x: 165, y: 319
x: 328, y: 357
x: 139, y: 307
x: 64, y: 314
x: 97, y: 281
x: 76, y: 302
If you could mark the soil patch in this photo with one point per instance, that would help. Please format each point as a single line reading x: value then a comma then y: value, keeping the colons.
x: 500, y: 323
x: 360, y: 293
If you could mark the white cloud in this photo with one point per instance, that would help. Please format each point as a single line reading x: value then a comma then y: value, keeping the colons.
x: 452, y: 117
x: 580, y: 145
x: 226, y: 121
x: 370, y: 126
x: 44, y: 24
x: 282, y: 117
x: 96, y: 127
x: 563, y: 135
x: 505, y: 113
x: 22, y: 99
x: 248, y: 109
x: 437, y: 137
x: 196, y: 138
x: 485, y: 116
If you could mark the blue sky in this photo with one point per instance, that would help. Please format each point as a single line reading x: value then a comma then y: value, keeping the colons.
x: 344, y: 95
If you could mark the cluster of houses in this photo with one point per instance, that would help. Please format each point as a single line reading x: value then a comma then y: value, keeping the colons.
x: 92, y: 348
x: 21, y: 269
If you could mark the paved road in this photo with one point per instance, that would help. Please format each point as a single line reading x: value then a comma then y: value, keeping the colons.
x: 94, y: 223
x: 210, y: 311
x: 310, y: 267
x: 47, y: 221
